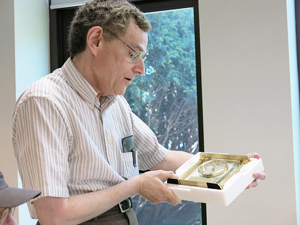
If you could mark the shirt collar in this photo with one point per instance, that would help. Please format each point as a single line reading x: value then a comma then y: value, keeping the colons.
x: 82, y: 87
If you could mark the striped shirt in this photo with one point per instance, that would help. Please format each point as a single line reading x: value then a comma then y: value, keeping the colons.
x: 67, y: 143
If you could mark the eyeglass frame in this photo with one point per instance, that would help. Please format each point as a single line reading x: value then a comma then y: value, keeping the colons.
x: 3, y: 216
x: 136, y: 53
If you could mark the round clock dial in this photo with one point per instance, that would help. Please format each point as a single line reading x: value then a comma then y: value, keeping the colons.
x: 213, y: 168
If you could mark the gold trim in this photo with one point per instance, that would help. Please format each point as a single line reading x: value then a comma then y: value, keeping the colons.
x: 192, y: 177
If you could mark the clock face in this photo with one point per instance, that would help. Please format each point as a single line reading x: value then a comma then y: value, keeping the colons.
x: 213, y: 168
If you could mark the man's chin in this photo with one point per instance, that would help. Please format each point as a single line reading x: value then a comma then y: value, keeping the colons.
x: 122, y: 92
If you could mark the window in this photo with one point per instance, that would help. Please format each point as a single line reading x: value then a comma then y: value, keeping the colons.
x: 166, y: 98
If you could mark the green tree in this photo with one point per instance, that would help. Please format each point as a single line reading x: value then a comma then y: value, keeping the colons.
x: 165, y: 98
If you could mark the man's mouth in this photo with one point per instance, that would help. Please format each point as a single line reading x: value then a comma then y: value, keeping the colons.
x: 130, y: 80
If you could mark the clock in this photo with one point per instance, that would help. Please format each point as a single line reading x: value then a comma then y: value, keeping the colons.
x: 213, y: 168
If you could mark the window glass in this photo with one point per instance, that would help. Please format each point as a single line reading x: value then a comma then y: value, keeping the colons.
x: 165, y: 98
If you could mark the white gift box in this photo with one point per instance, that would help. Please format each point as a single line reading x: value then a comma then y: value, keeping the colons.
x: 233, y: 187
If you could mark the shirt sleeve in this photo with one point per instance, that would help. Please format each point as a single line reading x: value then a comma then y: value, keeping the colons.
x: 41, y: 140
x: 150, y: 152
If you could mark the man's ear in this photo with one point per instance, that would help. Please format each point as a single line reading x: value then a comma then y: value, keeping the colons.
x: 93, y: 38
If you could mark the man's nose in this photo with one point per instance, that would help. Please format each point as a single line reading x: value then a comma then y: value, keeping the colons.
x: 139, y: 67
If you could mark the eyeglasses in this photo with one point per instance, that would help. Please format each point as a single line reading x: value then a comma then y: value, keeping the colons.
x: 137, y: 56
x: 4, y: 212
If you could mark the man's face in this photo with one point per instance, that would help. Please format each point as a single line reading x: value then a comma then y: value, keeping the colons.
x: 113, y: 68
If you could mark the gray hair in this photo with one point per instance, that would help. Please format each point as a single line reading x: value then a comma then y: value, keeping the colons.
x: 112, y: 15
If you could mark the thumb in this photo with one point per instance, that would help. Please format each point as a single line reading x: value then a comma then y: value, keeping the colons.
x: 167, y: 174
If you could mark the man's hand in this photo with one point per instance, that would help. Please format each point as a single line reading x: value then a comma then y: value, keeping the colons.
x: 152, y: 187
x: 257, y: 176
x: 10, y: 220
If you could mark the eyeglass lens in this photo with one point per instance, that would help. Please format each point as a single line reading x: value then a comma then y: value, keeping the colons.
x: 137, y: 56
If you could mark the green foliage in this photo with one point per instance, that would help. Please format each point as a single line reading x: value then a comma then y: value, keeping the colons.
x: 165, y: 98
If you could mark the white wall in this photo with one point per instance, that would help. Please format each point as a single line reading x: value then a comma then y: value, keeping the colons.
x: 31, y: 56
x: 7, y: 91
x: 247, y: 103
x: 24, y: 57
x: 31, y: 42
x: 295, y: 97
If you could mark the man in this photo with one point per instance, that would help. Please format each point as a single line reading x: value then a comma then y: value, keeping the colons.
x: 10, y: 198
x: 71, y: 127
